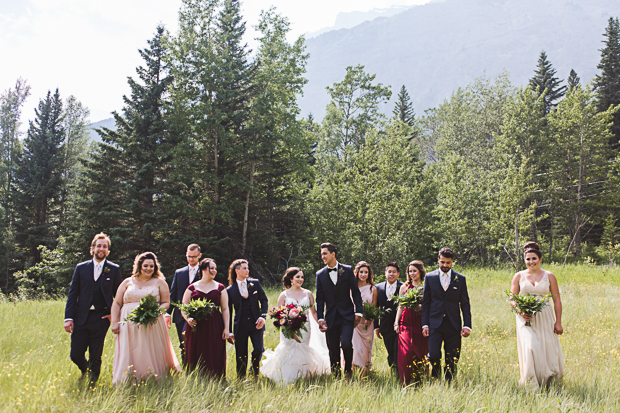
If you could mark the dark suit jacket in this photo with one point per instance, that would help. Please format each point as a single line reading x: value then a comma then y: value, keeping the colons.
x: 82, y: 286
x: 257, y: 298
x: 332, y: 299
x: 386, y: 323
x: 437, y: 303
x: 180, y: 282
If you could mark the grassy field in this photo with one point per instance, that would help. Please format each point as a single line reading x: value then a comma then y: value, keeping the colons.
x: 36, y: 374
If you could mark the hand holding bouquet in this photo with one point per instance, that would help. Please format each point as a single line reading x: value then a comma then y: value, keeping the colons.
x: 412, y: 299
x: 147, y: 312
x: 291, y: 319
x: 527, y: 304
x: 370, y: 313
x: 197, y: 309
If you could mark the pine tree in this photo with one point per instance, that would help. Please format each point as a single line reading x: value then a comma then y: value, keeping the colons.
x: 544, y: 81
x: 573, y: 80
x: 607, y: 84
x: 39, y: 179
x: 403, y: 110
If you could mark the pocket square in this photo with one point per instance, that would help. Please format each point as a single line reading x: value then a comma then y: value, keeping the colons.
x: 454, y: 288
x: 107, y: 279
x: 255, y: 292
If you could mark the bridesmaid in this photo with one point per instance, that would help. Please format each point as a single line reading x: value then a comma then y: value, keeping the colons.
x: 412, y: 345
x: 363, y: 333
x: 206, y: 347
x: 141, y: 352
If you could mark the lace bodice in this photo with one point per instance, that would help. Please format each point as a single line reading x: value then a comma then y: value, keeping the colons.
x: 303, y: 302
x: 541, y: 288
x: 133, y: 293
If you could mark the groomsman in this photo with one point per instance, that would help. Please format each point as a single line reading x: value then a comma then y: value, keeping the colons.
x: 249, y: 301
x: 183, y: 277
x: 445, y: 298
x: 87, y: 313
x: 385, y: 326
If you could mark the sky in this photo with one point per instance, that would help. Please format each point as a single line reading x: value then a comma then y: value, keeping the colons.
x: 88, y: 48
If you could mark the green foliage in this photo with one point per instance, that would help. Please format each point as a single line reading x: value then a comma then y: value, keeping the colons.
x: 147, y: 313
x: 197, y: 309
x: 528, y: 304
x: 573, y: 81
x: 47, y: 278
x: 412, y: 299
x: 403, y: 109
x: 546, y: 84
x: 371, y: 312
x: 607, y: 83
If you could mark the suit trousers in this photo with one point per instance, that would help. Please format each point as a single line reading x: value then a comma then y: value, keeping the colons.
x: 391, y: 345
x: 89, y: 336
x: 248, y: 331
x: 338, y: 335
x: 451, y: 339
x: 181, y: 334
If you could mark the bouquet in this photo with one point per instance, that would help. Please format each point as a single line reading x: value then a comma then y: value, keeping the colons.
x: 147, y: 312
x: 411, y: 299
x: 197, y: 309
x: 291, y: 319
x: 528, y: 304
x: 370, y: 312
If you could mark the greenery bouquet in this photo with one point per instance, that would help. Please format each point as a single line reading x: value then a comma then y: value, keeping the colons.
x: 291, y: 319
x: 370, y: 312
x: 197, y: 309
x: 528, y: 304
x: 147, y: 312
x: 411, y: 299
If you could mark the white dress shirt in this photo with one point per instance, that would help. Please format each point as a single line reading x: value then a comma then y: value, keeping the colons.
x: 390, y: 289
x: 98, y: 268
x: 192, y: 273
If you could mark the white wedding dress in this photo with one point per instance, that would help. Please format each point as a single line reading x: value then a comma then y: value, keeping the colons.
x: 292, y: 360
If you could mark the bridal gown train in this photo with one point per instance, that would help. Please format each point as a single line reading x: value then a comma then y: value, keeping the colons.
x: 292, y: 360
x: 540, y: 354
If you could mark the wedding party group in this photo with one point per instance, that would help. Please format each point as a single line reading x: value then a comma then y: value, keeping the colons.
x: 418, y: 320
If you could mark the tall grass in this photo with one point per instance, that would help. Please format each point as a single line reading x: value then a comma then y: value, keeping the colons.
x: 36, y: 374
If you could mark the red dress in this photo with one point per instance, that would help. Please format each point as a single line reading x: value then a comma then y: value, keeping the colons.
x: 412, y: 347
x: 205, y: 348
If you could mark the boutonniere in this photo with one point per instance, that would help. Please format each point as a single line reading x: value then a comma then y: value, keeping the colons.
x: 340, y: 272
x: 250, y: 286
x: 106, y: 270
x: 456, y: 279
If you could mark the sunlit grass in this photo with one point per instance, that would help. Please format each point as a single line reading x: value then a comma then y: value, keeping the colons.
x: 36, y: 374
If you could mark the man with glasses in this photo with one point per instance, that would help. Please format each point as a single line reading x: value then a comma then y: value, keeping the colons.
x: 183, y: 277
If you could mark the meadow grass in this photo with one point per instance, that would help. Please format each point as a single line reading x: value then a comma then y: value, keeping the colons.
x: 36, y: 374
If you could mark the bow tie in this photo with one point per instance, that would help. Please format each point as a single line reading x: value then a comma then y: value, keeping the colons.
x: 335, y: 269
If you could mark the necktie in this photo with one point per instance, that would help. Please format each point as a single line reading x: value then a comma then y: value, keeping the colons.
x: 244, y: 290
x: 333, y: 274
x: 445, y: 281
x: 97, y: 271
x: 192, y: 275
x: 390, y: 291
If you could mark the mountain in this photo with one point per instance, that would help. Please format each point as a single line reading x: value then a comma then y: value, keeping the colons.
x: 435, y: 48
x: 106, y: 123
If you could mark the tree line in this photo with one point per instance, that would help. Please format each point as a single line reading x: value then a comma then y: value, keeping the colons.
x: 210, y: 148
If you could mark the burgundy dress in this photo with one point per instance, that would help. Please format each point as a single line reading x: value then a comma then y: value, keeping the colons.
x: 205, y: 349
x: 412, y: 347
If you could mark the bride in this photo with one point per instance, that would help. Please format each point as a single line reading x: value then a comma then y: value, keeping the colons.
x: 294, y: 359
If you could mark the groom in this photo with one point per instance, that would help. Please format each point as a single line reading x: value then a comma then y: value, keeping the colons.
x: 87, y: 313
x: 249, y: 301
x: 445, y: 298
x: 335, y: 286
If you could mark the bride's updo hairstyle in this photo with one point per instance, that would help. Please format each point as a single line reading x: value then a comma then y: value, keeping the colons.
x: 532, y: 247
x: 287, y: 280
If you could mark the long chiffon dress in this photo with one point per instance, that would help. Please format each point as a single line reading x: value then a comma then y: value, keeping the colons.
x: 412, y: 347
x: 142, y: 351
x: 540, y: 354
x: 363, y: 336
x: 205, y: 348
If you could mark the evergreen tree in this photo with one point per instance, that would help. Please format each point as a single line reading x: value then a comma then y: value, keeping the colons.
x: 39, y: 180
x: 127, y: 181
x: 545, y: 82
x: 607, y: 84
x: 573, y: 80
x: 403, y: 110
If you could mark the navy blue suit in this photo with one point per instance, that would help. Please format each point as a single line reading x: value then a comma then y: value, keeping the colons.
x: 385, y: 324
x: 180, y: 282
x: 87, y: 302
x: 243, y: 325
x: 337, y: 305
x: 441, y: 312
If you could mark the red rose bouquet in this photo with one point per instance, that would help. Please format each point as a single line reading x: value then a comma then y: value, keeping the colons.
x: 290, y: 319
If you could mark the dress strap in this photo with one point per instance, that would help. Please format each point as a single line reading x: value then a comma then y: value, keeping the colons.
x: 220, y: 286
x: 191, y: 287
